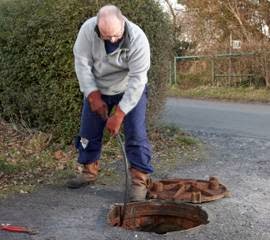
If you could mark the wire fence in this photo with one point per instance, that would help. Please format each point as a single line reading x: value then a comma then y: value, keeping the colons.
x: 226, y: 69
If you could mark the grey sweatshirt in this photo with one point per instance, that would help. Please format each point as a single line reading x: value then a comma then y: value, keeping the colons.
x: 122, y: 71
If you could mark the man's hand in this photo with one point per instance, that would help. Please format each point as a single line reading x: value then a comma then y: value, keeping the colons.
x: 97, y: 105
x: 114, y: 122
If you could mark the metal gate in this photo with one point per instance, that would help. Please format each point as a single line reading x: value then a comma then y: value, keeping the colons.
x: 227, y: 69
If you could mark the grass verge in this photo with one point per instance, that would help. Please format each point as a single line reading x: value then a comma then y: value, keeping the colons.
x: 29, y: 158
x: 221, y: 93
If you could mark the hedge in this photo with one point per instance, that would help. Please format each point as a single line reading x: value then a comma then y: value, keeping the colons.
x: 38, y: 85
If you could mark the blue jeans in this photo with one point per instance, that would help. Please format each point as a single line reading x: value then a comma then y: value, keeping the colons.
x: 138, y: 149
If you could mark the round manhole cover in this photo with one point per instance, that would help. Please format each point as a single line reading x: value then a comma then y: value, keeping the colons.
x: 158, y: 216
x: 189, y: 190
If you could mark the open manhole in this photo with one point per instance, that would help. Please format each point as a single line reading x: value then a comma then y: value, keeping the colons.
x: 158, y: 216
x: 188, y: 190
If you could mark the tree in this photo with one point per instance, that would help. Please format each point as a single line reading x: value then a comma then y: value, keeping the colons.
x: 211, y: 24
x: 216, y: 19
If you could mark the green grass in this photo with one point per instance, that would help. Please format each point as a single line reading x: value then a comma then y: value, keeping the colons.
x: 187, y: 140
x: 7, y: 168
x: 223, y: 93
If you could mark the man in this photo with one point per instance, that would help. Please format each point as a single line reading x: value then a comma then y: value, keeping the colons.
x: 112, y: 57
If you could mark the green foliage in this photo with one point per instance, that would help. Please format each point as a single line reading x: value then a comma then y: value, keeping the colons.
x: 37, y: 80
x: 7, y: 168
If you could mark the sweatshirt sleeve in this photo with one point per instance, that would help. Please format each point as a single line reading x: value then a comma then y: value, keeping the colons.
x: 83, y: 60
x: 139, y: 64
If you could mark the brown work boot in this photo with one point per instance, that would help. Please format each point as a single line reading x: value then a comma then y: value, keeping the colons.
x: 87, y: 176
x: 139, y: 184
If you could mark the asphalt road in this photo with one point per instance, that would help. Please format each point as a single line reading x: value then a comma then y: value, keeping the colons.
x: 251, y: 120
x: 237, y: 151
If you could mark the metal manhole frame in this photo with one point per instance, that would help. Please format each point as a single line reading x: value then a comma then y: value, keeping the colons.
x: 137, y: 211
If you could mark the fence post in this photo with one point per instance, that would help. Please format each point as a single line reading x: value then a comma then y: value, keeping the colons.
x: 170, y: 74
x: 267, y: 72
x: 213, y: 69
x: 174, y: 69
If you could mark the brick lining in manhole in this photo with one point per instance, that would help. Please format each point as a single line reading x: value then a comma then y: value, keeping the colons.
x: 188, y: 190
x: 158, y: 216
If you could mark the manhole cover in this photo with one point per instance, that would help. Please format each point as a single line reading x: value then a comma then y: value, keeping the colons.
x: 190, y: 190
x: 158, y: 216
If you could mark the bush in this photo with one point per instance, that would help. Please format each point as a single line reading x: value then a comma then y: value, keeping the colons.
x: 38, y: 82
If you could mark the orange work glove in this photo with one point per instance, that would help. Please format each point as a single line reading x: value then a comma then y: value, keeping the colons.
x: 97, y: 105
x: 114, y: 122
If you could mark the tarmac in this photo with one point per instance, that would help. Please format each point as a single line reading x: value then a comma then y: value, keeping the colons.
x: 240, y: 162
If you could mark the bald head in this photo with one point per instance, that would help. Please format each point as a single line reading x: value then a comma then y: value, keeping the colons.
x: 109, y: 11
x: 110, y: 22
